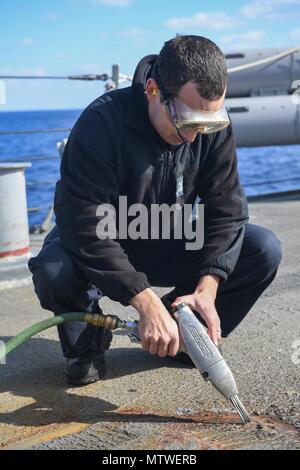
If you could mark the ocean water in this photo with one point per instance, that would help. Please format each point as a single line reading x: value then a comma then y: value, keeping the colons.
x: 258, y: 166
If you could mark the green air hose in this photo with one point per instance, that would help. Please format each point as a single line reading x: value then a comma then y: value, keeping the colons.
x: 106, y: 321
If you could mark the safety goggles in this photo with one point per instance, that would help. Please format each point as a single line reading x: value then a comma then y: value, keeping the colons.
x: 187, y: 119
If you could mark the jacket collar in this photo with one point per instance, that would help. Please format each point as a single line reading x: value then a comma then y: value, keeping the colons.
x: 137, y: 113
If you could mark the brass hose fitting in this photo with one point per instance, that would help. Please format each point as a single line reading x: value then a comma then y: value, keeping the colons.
x: 109, y: 322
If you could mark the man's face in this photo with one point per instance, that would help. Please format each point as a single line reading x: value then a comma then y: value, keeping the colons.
x: 160, y: 117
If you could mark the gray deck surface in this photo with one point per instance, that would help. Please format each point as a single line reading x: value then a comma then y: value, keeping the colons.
x: 151, y: 403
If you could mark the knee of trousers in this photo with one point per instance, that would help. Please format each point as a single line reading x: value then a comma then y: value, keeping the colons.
x: 53, y: 275
x: 269, y: 250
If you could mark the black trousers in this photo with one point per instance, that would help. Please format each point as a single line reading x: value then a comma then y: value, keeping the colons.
x: 61, y: 287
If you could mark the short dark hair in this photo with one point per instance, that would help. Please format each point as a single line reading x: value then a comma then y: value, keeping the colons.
x: 191, y: 58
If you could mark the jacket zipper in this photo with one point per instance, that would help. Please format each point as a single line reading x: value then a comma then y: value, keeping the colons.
x: 168, y: 158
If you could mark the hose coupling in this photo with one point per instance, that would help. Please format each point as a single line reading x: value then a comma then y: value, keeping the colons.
x: 109, y: 322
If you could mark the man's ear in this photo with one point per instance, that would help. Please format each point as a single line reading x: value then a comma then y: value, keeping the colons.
x: 151, y: 89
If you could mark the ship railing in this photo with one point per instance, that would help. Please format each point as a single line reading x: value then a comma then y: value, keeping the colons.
x: 49, y: 210
x: 113, y: 81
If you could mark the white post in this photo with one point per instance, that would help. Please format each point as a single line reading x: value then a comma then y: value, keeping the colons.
x: 14, y: 234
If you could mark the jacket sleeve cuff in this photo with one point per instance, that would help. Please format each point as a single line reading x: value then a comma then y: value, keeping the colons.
x: 217, y: 272
x: 132, y: 292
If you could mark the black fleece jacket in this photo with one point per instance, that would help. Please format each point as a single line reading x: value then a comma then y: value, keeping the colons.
x: 113, y: 150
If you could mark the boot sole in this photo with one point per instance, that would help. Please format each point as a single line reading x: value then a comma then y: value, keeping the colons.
x: 86, y: 380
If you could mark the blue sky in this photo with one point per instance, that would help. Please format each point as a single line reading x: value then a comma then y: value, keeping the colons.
x: 62, y: 37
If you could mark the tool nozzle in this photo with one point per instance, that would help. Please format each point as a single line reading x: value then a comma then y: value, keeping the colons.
x: 245, y: 417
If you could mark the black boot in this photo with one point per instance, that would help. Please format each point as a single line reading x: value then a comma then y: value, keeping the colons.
x: 90, y: 367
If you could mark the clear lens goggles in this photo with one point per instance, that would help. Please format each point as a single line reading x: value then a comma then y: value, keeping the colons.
x: 187, y: 119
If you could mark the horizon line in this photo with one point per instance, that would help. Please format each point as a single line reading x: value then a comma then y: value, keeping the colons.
x: 39, y: 109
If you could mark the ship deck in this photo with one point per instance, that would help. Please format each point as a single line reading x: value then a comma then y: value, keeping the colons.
x: 150, y: 403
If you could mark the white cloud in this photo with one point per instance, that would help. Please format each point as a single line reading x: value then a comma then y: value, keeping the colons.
x: 62, y: 56
x: 295, y: 34
x: 281, y: 16
x: 129, y: 33
x: 270, y: 9
x: 217, y: 20
x: 113, y: 3
x: 251, y: 36
x: 26, y: 42
x: 51, y: 16
x: 235, y: 47
x: 258, y: 8
x: 91, y: 68
x: 135, y: 34
x: 6, y: 72
x: 32, y: 72
x: 35, y: 71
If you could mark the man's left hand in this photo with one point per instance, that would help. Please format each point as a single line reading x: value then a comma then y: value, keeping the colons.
x: 203, y: 302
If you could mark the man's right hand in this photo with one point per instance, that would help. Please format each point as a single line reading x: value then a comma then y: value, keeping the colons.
x: 158, y: 330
